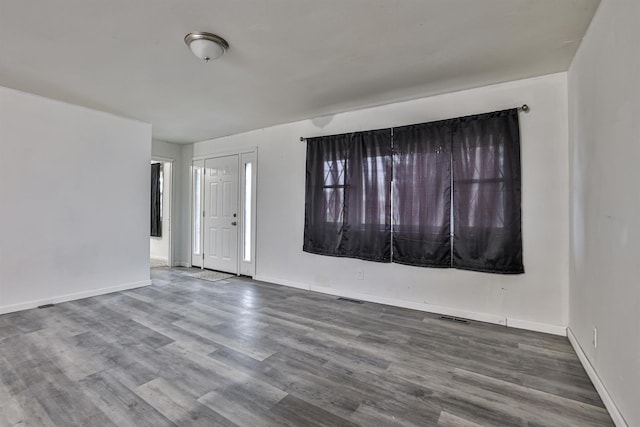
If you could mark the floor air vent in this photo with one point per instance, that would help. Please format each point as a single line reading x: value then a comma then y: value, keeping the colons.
x: 45, y: 306
x: 355, y: 301
x: 454, y: 319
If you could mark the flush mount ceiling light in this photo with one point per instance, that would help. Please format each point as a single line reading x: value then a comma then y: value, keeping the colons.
x: 206, y: 46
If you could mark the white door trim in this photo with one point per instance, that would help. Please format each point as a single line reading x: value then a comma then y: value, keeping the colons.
x: 223, y: 153
x: 248, y: 267
x: 200, y: 215
x: 243, y: 267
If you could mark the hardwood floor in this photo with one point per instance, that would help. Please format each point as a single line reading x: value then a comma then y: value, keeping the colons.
x: 188, y: 352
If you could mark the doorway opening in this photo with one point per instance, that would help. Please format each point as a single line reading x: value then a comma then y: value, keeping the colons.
x: 160, y: 249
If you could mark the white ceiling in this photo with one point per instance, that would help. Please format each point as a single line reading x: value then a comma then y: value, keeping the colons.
x: 289, y: 59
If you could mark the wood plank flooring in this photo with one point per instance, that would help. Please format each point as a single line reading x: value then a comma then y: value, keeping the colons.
x: 187, y: 352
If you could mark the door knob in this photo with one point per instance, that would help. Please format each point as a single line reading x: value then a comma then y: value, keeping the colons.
x: 234, y: 222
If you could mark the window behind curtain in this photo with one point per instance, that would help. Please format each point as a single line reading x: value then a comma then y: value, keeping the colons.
x: 348, y: 203
x: 487, y: 194
x: 156, y: 197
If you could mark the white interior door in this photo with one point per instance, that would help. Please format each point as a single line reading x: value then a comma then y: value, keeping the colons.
x: 221, y: 214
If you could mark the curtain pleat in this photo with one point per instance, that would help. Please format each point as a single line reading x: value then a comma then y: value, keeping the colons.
x: 422, y: 195
x: 348, y: 203
x: 324, y: 195
x: 487, y: 193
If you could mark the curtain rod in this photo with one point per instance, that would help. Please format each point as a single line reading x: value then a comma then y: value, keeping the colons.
x: 524, y: 108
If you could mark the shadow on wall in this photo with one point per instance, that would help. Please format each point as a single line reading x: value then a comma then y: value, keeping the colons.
x: 321, y: 122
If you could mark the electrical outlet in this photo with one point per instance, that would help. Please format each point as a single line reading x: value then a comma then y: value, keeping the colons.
x: 360, y: 274
x: 595, y: 337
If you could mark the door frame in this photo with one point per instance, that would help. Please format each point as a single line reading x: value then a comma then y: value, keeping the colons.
x: 191, y: 214
x: 245, y: 155
x: 172, y: 193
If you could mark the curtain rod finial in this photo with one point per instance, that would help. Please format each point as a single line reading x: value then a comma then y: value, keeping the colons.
x: 302, y: 139
x: 525, y: 108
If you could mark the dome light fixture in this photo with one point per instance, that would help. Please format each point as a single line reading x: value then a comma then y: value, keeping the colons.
x: 206, y: 46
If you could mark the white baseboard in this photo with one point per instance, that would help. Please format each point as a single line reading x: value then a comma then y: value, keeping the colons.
x: 547, y: 328
x: 70, y: 297
x: 449, y: 311
x: 616, y: 416
x: 481, y: 317
x: 283, y: 282
x: 181, y: 264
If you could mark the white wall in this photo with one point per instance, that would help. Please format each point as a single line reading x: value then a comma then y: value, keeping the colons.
x: 159, y: 246
x: 74, y: 201
x: 604, y: 101
x: 165, y: 150
x: 162, y: 150
x: 537, y: 300
x: 182, y: 244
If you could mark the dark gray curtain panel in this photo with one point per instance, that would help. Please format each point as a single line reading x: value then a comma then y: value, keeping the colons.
x: 487, y: 193
x: 422, y: 194
x: 156, y: 214
x: 464, y: 170
x: 348, y: 195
